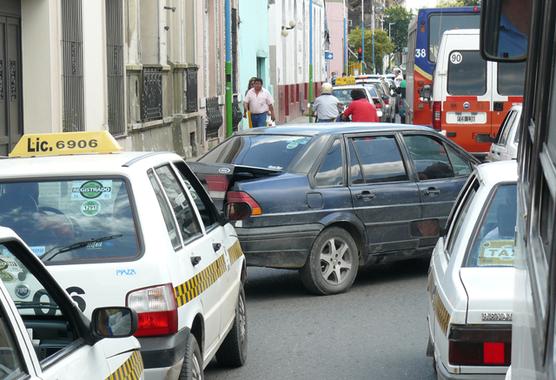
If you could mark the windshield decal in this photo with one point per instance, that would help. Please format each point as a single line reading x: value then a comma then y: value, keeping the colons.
x: 91, y: 190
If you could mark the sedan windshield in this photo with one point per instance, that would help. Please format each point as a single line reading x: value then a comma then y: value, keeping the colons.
x: 71, y: 220
x: 266, y: 151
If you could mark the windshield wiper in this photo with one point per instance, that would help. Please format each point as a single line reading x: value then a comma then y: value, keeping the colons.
x: 35, y: 305
x: 80, y: 244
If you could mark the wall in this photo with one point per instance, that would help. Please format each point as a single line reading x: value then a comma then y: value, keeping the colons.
x: 253, y: 43
x: 335, y: 18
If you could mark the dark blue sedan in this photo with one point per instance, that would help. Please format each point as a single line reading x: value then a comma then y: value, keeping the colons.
x: 328, y: 198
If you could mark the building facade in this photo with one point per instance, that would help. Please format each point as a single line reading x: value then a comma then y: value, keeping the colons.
x: 335, y: 13
x: 149, y: 71
x: 289, y: 44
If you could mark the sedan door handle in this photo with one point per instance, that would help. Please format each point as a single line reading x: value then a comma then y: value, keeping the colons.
x: 365, y: 195
x: 432, y: 192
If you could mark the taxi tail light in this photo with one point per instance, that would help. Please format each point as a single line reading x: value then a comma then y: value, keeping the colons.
x: 480, y: 346
x: 157, y: 311
x: 241, y: 205
x: 437, y: 116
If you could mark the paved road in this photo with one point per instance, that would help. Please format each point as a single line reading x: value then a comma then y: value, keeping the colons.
x: 375, y: 331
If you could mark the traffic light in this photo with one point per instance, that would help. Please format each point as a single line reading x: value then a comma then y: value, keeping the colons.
x: 359, y: 54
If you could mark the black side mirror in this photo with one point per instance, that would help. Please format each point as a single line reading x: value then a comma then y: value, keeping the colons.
x: 114, y: 322
x: 425, y: 93
x: 428, y: 228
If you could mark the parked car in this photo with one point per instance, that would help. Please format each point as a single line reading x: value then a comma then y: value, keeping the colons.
x: 328, y: 198
x: 44, y: 335
x: 343, y: 93
x: 471, y: 279
x: 388, y: 100
x: 504, y: 146
x: 132, y: 229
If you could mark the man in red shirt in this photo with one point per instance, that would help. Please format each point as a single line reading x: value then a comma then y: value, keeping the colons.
x: 360, y: 108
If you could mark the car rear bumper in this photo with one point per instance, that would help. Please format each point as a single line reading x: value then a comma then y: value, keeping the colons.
x: 278, y: 247
x: 443, y: 374
x: 163, y: 355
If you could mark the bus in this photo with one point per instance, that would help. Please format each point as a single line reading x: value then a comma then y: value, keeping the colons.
x: 424, y: 36
x: 518, y: 31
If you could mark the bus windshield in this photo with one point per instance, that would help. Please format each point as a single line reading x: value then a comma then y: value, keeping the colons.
x: 439, y: 23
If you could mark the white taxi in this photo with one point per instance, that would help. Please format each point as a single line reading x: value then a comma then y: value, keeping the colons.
x: 471, y: 277
x: 133, y: 229
x: 53, y: 339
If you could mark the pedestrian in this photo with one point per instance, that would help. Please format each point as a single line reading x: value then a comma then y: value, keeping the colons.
x: 333, y: 78
x: 360, y: 109
x: 326, y: 106
x: 398, y: 76
x: 259, y: 103
x: 249, y: 86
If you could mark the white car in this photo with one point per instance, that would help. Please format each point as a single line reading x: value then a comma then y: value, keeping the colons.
x: 47, y: 337
x: 471, y: 277
x: 132, y: 229
x: 504, y: 146
x: 343, y: 93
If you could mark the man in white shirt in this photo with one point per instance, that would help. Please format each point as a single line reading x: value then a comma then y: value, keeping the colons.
x: 326, y: 105
x: 259, y: 103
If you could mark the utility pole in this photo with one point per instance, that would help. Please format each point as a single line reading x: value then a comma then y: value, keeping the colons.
x: 362, y: 33
x: 345, y: 39
x: 373, y: 34
x: 228, y: 27
x: 310, y: 55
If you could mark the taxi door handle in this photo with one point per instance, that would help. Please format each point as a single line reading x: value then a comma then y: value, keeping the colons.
x: 216, y: 246
x: 195, y: 260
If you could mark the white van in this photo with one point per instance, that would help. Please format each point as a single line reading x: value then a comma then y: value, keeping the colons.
x: 471, y: 96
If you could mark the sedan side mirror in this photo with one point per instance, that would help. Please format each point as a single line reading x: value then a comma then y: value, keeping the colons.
x: 114, y: 322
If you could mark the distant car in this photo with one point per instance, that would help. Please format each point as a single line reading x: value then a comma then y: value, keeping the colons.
x: 471, y: 279
x: 343, y: 93
x: 328, y: 198
x: 387, y: 100
x: 45, y: 336
x: 504, y: 146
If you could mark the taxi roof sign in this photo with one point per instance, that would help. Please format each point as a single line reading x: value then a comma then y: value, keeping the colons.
x: 344, y: 81
x: 66, y: 143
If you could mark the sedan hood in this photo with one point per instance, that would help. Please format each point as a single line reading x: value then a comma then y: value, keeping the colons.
x: 489, y: 290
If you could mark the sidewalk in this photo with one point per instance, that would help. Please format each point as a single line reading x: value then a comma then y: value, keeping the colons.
x: 299, y: 120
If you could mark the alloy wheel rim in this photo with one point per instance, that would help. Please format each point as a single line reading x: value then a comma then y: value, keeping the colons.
x: 242, y: 319
x: 335, y: 261
x: 196, y: 368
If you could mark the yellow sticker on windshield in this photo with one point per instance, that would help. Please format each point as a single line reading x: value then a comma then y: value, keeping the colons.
x: 497, y: 252
x: 53, y: 144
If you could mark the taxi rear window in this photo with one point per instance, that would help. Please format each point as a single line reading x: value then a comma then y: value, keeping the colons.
x: 72, y: 220
x: 493, y: 244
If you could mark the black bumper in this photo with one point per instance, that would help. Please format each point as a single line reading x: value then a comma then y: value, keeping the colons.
x: 278, y: 247
x: 163, y: 351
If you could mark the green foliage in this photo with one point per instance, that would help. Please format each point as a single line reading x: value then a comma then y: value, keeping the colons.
x: 383, y: 45
x: 457, y: 3
x: 400, y: 17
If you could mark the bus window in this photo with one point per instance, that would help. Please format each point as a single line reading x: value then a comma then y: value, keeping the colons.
x: 467, y: 76
x: 511, y: 78
x: 439, y: 23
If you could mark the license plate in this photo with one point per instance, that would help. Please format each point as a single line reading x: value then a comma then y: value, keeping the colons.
x: 466, y: 117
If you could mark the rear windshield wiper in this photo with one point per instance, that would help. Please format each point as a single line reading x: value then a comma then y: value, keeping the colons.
x: 80, y: 244
x: 35, y: 305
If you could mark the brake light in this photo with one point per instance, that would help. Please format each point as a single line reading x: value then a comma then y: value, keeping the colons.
x: 377, y: 103
x: 156, y: 309
x: 437, y: 116
x: 480, y: 346
x: 386, y: 101
x: 217, y: 185
x: 241, y: 205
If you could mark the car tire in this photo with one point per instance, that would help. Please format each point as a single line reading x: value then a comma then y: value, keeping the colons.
x: 192, y: 367
x: 233, y: 351
x: 332, y: 264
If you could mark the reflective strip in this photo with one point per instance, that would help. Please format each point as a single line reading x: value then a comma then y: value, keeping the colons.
x: 235, y: 252
x: 132, y: 368
x: 200, y: 282
x: 442, y: 315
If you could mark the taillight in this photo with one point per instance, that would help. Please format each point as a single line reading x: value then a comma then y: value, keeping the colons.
x: 241, y: 205
x: 377, y: 103
x: 436, y: 116
x: 386, y: 101
x: 217, y: 185
x: 480, y: 346
x: 156, y: 309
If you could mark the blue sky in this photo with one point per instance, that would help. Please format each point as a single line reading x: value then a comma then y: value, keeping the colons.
x: 416, y: 4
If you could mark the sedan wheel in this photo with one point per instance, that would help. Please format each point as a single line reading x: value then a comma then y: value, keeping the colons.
x: 332, y: 264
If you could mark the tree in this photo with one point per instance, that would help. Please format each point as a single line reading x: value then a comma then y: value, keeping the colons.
x: 457, y: 3
x: 383, y: 46
x: 400, y: 18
